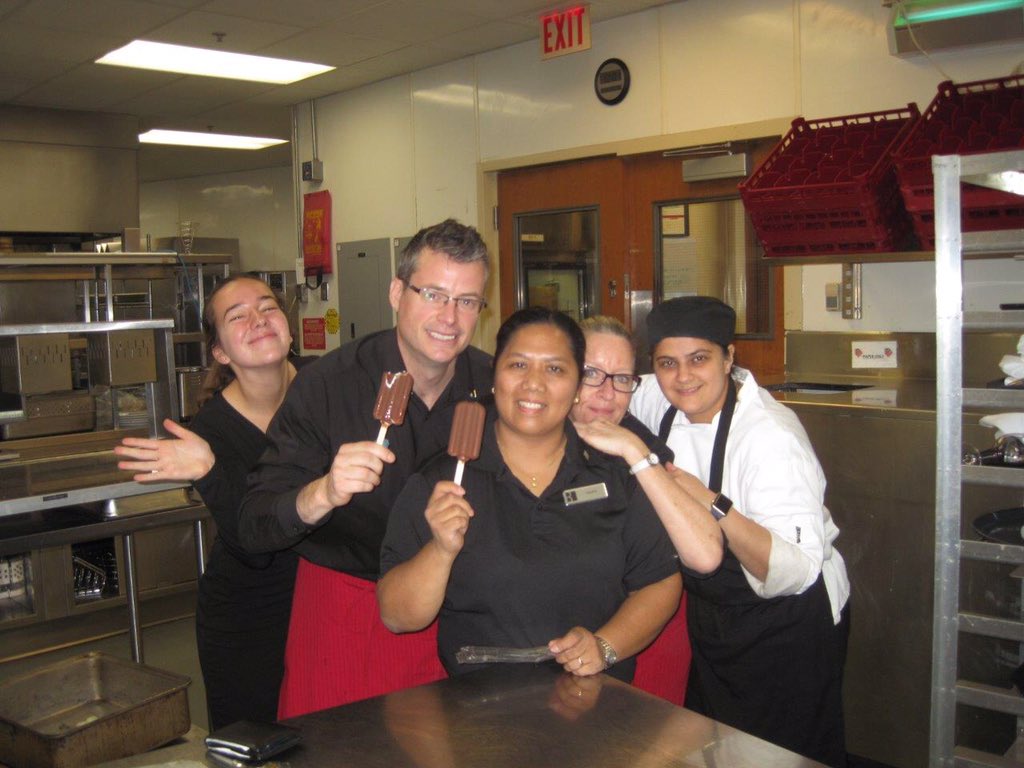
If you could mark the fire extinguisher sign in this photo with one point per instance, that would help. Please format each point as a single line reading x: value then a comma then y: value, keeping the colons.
x: 314, y: 334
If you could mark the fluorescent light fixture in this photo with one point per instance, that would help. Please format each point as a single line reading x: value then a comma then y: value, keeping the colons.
x: 922, y: 26
x: 185, y: 60
x: 200, y: 139
x: 923, y: 11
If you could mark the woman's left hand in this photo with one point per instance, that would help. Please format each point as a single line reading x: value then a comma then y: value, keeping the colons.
x: 186, y: 456
x: 577, y: 652
x: 612, y: 439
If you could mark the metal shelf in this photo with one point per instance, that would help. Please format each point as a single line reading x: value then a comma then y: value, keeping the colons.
x: 980, y: 397
x: 1008, y: 477
x: 991, y: 626
x: 1004, y: 700
x: 998, y: 170
x: 1006, y: 320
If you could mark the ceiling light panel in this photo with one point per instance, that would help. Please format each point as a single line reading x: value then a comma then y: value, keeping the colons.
x: 202, y: 139
x: 185, y: 60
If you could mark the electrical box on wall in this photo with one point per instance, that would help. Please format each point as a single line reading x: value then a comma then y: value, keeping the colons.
x: 313, y: 170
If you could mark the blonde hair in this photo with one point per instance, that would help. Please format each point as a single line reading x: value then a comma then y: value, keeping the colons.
x: 610, y: 325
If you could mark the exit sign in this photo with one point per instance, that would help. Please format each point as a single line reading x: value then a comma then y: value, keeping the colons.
x: 566, y: 31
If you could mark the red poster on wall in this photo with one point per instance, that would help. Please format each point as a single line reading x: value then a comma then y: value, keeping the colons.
x: 313, y: 333
x: 316, y: 232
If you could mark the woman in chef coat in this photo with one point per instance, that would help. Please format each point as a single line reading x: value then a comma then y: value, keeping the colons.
x: 769, y: 628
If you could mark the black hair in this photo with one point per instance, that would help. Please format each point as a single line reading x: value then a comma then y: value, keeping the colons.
x: 540, y: 316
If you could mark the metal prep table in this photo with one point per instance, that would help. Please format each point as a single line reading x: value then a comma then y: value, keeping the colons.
x: 511, y: 716
x: 64, y: 489
x: 68, y: 500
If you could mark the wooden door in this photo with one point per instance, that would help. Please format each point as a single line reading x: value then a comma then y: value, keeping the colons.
x: 595, y: 183
x: 625, y: 190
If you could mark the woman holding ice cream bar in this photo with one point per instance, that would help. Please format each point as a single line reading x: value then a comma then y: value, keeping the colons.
x: 546, y: 542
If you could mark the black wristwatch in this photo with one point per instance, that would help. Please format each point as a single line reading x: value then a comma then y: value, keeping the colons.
x: 720, y: 506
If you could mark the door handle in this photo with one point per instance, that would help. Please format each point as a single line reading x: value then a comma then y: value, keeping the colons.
x: 613, y: 289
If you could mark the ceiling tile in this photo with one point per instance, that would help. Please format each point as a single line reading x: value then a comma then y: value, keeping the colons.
x: 189, y: 96
x: 332, y: 45
x: 303, y: 13
x: 93, y: 86
x: 130, y: 18
x: 240, y: 35
x: 408, y: 21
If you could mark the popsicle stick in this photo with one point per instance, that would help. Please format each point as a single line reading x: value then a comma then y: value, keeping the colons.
x: 458, y: 471
x: 382, y: 434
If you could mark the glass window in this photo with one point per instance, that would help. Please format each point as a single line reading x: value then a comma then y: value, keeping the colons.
x: 708, y: 247
x: 557, y: 261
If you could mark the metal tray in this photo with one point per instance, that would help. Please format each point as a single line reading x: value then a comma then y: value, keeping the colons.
x: 89, y: 709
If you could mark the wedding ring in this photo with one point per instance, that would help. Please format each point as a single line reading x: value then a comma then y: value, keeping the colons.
x: 581, y: 663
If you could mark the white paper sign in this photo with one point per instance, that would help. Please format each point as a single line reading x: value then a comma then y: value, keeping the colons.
x: 874, y: 354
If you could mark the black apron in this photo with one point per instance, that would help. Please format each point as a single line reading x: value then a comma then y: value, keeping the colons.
x: 770, y: 667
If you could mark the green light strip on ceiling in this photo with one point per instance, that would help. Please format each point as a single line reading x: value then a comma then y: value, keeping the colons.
x: 923, y: 13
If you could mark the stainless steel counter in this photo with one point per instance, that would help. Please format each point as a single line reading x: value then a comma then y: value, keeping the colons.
x: 513, y: 716
x: 908, y: 397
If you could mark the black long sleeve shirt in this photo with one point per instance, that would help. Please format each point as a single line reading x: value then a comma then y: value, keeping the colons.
x: 330, y: 404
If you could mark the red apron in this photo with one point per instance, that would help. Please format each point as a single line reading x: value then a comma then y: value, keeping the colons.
x: 663, y: 666
x: 338, y: 649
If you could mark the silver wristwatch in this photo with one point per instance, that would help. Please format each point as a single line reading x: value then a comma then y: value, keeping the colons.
x: 608, y: 653
x: 649, y: 460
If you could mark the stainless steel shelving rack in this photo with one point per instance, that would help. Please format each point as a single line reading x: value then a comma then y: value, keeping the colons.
x: 996, y: 170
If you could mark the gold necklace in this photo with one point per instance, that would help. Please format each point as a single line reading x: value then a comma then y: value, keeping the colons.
x: 534, y: 482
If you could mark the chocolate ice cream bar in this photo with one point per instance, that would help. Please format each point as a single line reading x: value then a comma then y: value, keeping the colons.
x: 392, y: 400
x: 467, y: 433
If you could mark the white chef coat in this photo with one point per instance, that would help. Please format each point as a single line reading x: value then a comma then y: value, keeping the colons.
x: 773, y: 478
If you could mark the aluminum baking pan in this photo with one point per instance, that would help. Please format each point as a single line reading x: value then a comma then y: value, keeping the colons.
x: 89, y: 709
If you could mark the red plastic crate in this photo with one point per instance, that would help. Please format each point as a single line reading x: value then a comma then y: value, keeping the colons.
x: 963, y: 119
x: 830, y: 186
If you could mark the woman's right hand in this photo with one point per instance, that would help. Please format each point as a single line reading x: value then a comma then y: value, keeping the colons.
x: 184, y: 457
x: 613, y: 439
x: 448, y: 515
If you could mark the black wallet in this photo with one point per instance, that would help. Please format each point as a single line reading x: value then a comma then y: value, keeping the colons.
x: 252, y: 742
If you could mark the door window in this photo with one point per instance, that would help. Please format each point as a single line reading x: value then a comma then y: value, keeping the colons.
x: 557, y: 261
x: 708, y: 248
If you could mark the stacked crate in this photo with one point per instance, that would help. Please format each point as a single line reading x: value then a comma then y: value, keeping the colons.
x: 830, y: 187
x: 964, y: 119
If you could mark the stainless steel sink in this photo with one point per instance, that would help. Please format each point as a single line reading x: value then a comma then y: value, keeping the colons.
x: 814, y: 387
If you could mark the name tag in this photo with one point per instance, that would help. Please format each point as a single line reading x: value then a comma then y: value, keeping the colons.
x: 585, y: 493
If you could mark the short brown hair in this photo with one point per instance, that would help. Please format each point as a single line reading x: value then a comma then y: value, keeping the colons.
x: 457, y: 241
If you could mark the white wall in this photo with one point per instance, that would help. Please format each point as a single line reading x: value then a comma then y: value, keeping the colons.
x: 257, y: 207
x: 403, y: 153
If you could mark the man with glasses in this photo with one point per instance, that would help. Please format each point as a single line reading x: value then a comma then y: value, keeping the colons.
x: 326, y: 488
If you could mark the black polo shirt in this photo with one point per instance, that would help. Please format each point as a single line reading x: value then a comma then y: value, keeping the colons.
x: 532, y: 568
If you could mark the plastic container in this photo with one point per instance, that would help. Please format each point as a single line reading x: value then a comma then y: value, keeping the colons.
x: 830, y: 186
x: 965, y: 119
